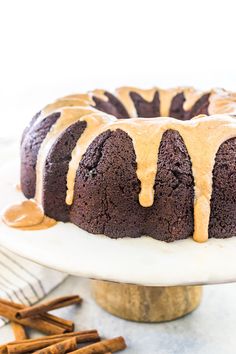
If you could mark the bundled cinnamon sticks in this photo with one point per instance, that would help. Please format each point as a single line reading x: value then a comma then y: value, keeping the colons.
x: 61, y: 340
x: 46, y: 323
x: 32, y: 345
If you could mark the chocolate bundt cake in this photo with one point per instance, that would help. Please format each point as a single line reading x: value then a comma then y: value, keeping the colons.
x: 152, y: 162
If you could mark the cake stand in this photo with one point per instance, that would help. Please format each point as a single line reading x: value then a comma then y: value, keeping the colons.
x: 138, y: 279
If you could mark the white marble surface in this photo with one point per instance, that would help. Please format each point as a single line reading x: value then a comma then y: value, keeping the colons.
x: 208, y: 330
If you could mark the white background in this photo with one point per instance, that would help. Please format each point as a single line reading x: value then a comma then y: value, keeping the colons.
x: 54, y: 47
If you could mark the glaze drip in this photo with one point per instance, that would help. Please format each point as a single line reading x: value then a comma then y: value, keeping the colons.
x: 27, y: 216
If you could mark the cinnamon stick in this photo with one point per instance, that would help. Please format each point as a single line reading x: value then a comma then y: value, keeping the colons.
x: 32, y: 345
x: 19, y: 331
x: 66, y: 346
x: 58, y: 321
x: 48, y: 306
x: 109, y: 345
x: 45, y: 323
x: 54, y: 320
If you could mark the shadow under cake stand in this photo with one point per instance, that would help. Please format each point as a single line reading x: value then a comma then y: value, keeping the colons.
x: 137, y: 279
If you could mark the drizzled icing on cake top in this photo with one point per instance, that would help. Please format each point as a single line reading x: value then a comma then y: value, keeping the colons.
x: 166, y: 96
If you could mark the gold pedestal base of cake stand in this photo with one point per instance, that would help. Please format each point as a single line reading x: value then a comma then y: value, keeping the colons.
x: 146, y: 304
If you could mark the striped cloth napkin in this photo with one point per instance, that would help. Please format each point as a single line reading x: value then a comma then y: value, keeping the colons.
x: 23, y: 281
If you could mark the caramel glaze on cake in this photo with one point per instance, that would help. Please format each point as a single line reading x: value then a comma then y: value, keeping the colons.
x: 84, y: 160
